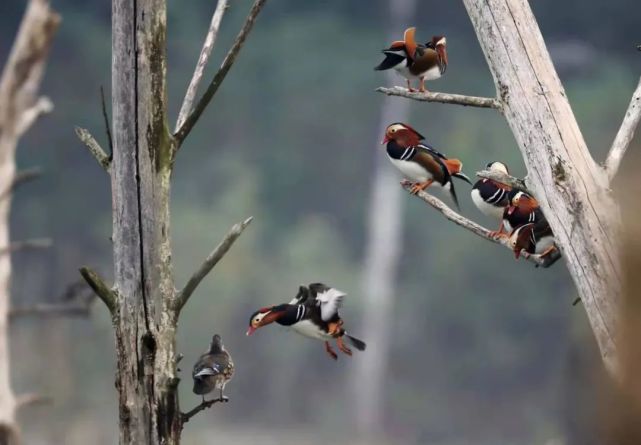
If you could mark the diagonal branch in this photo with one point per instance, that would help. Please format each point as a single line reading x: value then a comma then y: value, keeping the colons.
x: 20, y: 178
x: 29, y: 116
x: 100, y: 288
x: 205, y: 404
x: 205, y: 52
x: 35, y: 243
x: 94, y: 148
x: 478, y: 229
x: 624, y: 135
x: 30, y: 399
x: 444, y: 98
x: 504, y: 179
x: 212, y: 259
x: 229, y: 60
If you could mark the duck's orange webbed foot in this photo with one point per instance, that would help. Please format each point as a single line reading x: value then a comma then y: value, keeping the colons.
x: 341, y: 345
x: 330, y: 351
x: 419, y: 187
x: 409, y: 87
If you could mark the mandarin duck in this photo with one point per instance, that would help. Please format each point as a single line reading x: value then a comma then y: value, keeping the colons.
x: 491, y: 197
x: 420, y: 162
x: 313, y: 312
x: 533, y: 238
x: 213, y: 370
x: 415, y: 61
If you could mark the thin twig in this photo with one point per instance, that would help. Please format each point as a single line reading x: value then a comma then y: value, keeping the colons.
x: 20, y: 178
x: 100, y: 288
x: 479, y: 230
x: 35, y: 243
x: 444, y: 98
x: 94, y: 148
x: 50, y: 310
x: 105, y: 116
x: 29, y: 399
x: 205, y: 52
x: 624, y: 135
x: 42, y: 106
x: 205, y: 404
x: 229, y: 60
x: 212, y: 259
x: 503, y: 179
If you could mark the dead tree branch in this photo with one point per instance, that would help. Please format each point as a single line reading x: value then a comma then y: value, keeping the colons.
x: 212, y: 259
x: 94, y: 148
x: 100, y: 288
x: 35, y: 243
x: 444, y: 98
x: 477, y: 229
x: 625, y: 134
x: 105, y: 116
x: 29, y: 116
x: 205, y: 52
x: 30, y: 399
x: 204, y: 405
x: 20, y: 178
x: 503, y: 179
x: 228, y: 62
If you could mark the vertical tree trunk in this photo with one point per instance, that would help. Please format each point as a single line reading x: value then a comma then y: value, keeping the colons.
x: 145, y: 323
x: 384, y: 243
x: 571, y: 187
x: 19, y: 107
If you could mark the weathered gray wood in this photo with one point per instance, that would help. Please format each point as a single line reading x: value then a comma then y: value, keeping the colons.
x: 444, y: 98
x: 477, y: 229
x: 205, y: 52
x: 570, y: 186
x: 20, y: 106
x: 503, y: 179
x: 220, y: 75
x: 210, y: 262
x: 625, y: 134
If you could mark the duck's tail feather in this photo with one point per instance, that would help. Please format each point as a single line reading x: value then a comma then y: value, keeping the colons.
x: 358, y: 344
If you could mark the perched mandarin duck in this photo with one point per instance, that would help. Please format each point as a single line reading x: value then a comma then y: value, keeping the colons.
x: 533, y: 238
x: 491, y: 197
x: 420, y: 162
x: 213, y: 370
x: 415, y: 61
x: 313, y: 313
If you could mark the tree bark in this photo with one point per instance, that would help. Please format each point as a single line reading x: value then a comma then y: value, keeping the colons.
x: 19, y: 108
x: 571, y: 187
x: 144, y: 321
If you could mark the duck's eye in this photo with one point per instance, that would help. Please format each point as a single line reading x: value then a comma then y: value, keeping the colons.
x: 393, y: 130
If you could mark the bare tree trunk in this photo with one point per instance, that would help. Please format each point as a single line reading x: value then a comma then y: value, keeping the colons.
x: 145, y: 324
x: 19, y: 108
x: 384, y: 243
x: 572, y: 188
x: 144, y: 303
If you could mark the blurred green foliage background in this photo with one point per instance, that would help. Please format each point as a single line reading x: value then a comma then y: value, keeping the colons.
x: 486, y: 350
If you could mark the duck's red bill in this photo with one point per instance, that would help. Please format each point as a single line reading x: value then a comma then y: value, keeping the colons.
x: 250, y: 331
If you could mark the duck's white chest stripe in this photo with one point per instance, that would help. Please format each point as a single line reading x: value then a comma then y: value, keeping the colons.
x: 309, y: 329
x: 408, y: 153
x: 300, y: 312
x: 411, y: 169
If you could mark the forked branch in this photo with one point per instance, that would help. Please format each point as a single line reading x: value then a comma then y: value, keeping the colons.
x: 444, y: 98
x: 94, y: 148
x: 625, y: 134
x: 212, y: 259
x: 229, y: 60
x: 479, y: 230
x: 100, y: 288
x: 205, y: 52
x: 29, y: 116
